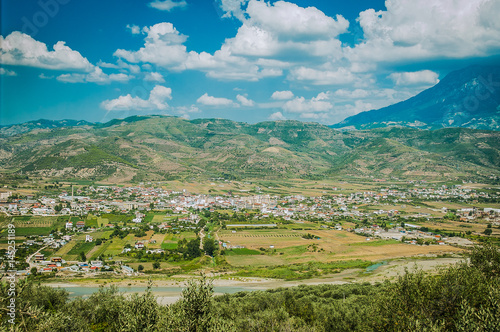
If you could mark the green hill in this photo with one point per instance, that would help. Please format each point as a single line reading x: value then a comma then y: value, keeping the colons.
x: 165, y: 148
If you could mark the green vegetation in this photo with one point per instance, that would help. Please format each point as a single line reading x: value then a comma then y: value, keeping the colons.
x: 84, y: 247
x: 241, y: 251
x: 464, y: 297
x: 302, y: 271
x: 24, y: 231
x: 301, y: 150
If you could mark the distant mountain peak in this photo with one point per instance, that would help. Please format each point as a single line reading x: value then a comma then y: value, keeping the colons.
x: 469, y: 98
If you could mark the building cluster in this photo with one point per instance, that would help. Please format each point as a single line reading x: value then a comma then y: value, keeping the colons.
x: 107, y: 199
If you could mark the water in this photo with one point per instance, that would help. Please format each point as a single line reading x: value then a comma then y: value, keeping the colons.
x: 85, y: 292
x: 373, y: 267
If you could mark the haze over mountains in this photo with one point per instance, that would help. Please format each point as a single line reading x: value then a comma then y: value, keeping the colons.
x: 469, y: 98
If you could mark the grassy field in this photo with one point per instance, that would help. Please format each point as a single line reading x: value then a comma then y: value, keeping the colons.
x: 116, y: 245
x: 242, y: 251
x: 170, y: 240
x: 283, y: 247
x: 81, y: 246
x: 25, y: 231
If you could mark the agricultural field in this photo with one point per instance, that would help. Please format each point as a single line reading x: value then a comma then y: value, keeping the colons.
x: 170, y: 240
x: 282, y: 246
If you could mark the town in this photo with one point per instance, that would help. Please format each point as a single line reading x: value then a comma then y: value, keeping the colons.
x: 122, y: 230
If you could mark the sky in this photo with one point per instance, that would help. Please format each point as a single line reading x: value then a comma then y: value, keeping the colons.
x: 244, y: 60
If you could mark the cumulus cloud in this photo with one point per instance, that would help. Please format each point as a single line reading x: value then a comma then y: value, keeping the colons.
x: 7, y: 72
x: 45, y: 77
x: 316, y: 104
x: 19, y: 49
x: 214, y: 101
x: 168, y: 5
x: 96, y: 76
x: 446, y: 28
x: 233, y: 8
x: 423, y: 77
x: 289, y: 20
x: 352, y: 94
x: 157, y: 101
x: 282, y: 95
x: 163, y: 46
x: 154, y: 77
x: 244, y: 101
x: 284, y: 30
x: 134, y: 29
x: 339, y: 76
x: 276, y: 116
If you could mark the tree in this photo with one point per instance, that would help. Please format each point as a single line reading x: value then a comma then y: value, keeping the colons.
x: 196, y: 305
x: 209, y: 246
x: 193, y: 248
x: 140, y: 268
x: 83, y: 257
x: 33, y: 271
x: 98, y: 242
x: 156, y: 265
x: 488, y: 231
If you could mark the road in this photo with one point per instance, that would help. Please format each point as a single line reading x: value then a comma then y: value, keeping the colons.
x: 28, y: 259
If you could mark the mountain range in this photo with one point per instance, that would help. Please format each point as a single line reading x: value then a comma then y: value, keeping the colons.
x: 467, y: 98
x: 144, y: 148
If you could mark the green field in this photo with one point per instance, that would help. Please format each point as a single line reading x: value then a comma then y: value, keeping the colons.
x: 81, y: 246
x: 303, y: 271
x: 116, y: 245
x: 101, y: 249
x: 25, y: 231
x: 170, y: 240
x: 241, y: 251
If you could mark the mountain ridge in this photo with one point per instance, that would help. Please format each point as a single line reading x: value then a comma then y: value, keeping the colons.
x: 468, y: 97
x: 166, y: 148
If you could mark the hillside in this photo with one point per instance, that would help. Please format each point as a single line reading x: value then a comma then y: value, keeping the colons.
x: 467, y: 98
x: 165, y: 148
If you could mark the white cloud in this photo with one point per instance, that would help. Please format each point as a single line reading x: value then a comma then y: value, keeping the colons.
x: 423, y: 77
x: 168, y: 5
x: 71, y: 78
x: 96, y: 76
x: 284, y: 30
x: 19, y: 49
x: 7, y: 72
x: 339, y: 76
x: 213, y: 101
x: 282, y: 95
x: 288, y: 19
x: 244, y: 101
x: 154, y: 77
x: 316, y: 104
x: 134, y: 29
x: 446, y: 28
x: 157, y: 101
x: 354, y: 94
x: 45, y: 77
x: 276, y: 116
x: 186, y: 111
x: 233, y: 8
x: 163, y: 46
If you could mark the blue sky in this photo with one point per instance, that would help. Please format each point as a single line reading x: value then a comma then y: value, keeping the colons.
x: 245, y: 60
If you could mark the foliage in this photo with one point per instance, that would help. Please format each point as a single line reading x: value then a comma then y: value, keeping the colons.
x: 464, y: 297
x: 209, y: 246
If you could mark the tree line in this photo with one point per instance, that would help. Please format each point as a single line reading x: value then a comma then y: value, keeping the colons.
x: 463, y: 297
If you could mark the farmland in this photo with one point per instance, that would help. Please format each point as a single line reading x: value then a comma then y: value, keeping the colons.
x: 340, y: 226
